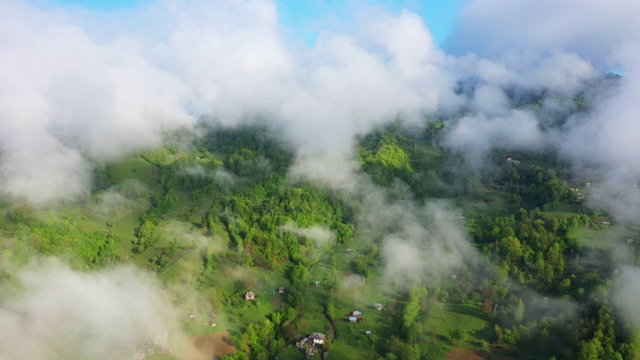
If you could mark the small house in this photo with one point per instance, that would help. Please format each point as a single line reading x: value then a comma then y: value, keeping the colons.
x: 359, y: 319
x: 454, y: 277
x: 368, y: 332
x: 281, y: 290
x: 317, y: 338
x: 377, y: 306
x: 629, y: 241
x: 511, y: 160
x: 348, y: 251
x: 250, y: 295
x: 353, y: 319
x: 356, y: 313
x: 318, y: 283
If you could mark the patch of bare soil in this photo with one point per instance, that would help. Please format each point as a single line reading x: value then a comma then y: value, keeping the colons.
x: 464, y: 354
x: 278, y: 303
x: 214, y: 346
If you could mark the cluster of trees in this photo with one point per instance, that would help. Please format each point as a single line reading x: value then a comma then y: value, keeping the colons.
x: 406, y: 336
x: 161, y: 203
x: 386, y: 161
x: 61, y: 236
x: 253, y: 152
x: 533, y: 186
x: 542, y: 251
x: 394, y: 153
x: 265, y: 340
x: 410, y: 330
x: 367, y: 262
x: 530, y: 245
x: 256, y: 219
x: 261, y: 341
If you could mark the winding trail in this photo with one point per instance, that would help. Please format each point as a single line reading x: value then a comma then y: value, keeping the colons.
x: 332, y: 329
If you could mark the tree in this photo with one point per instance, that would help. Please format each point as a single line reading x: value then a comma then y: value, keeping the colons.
x: 411, y: 309
x: 390, y: 356
x: 590, y: 350
x: 411, y: 352
x: 518, y: 311
x: 290, y: 332
x: 299, y: 274
x: 238, y: 355
x: 344, y: 232
x: 487, y: 306
x: 361, y: 266
x: 457, y: 336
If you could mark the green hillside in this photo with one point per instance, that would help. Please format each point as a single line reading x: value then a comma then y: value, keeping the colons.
x: 217, y: 222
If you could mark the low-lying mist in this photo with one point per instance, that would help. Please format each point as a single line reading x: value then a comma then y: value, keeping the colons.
x: 112, y: 90
x: 58, y: 313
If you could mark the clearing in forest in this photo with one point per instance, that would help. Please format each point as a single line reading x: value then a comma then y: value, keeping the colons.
x: 464, y: 354
x: 214, y: 346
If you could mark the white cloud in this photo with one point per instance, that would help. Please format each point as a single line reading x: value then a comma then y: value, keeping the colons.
x: 105, y: 91
x: 475, y: 135
x: 60, y: 313
x: 591, y: 28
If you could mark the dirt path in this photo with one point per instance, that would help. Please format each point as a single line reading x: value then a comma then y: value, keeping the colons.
x: 332, y: 328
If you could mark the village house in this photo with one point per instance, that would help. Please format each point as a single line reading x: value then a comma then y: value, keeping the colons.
x: 377, y: 306
x: 281, y: 290
x: 317, y: 338
x: 356, y: 313
x: 353, y: 319
x: 250, y: 295
x: 314, y: 339
x: 511, y: 160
